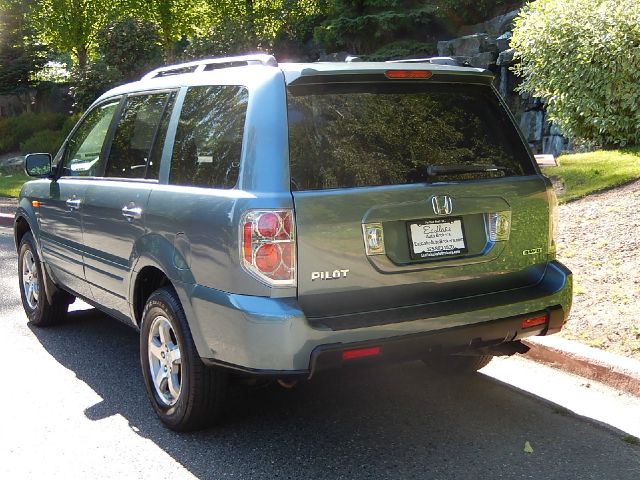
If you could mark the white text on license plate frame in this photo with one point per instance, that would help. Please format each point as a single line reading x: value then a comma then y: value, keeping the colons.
x: 436, y: 238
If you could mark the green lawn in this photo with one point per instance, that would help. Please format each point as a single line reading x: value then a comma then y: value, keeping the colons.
x: 11, y: 181
x: 585, y: 173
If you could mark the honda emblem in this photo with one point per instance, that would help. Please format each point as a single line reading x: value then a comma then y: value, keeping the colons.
x: 442, y: 205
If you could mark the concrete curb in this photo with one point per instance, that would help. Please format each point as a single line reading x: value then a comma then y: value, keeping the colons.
x: 6, y: 220
x: 615, y: 371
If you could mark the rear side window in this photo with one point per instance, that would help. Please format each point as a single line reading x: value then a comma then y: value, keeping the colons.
x: 355, y: 135
x: 208, y: 142
x: 137, y: 145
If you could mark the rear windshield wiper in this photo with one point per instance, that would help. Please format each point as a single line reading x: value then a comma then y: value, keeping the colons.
x: 435, y: 170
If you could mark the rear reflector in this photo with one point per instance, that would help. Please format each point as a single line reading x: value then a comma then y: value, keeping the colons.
x: 360, y: 352
x: 408, y: 74
x: 534, y: 322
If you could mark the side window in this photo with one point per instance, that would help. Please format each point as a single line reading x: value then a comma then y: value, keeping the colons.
x: 82, y: 155
x: 208, y: 142
x: 137, y: 144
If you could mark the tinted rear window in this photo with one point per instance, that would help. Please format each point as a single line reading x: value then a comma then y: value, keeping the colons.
x: 358, y: 135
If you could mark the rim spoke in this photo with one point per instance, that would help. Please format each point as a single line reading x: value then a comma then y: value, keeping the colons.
x: 165, y: 335
x: 175, y: 356
x: 174, y: 386
x: 155, y: 348
x: 31, y: 263
x: 159, y: 378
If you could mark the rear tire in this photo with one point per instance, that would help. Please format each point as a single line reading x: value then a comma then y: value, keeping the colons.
x: 457, y: 364
x: 32, y: 278
x: 185, y: 394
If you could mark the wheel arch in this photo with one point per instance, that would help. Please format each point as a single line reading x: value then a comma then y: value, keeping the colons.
x: 154, y: 266
x: 147, y: 280
x: 20, y: 227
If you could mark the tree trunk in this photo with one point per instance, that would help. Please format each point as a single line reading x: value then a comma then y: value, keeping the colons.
x: 249, y: 16
x: 167, y: 46
x: 82, y: 54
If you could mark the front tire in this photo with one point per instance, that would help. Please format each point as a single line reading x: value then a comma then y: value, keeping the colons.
x: 31, y: 277
x: 185, y: 394
x: 457, y: 364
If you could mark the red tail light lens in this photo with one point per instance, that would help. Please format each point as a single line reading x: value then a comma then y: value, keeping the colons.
x: 268, y: 246
x: 268, y: 225
x: 408, y: 74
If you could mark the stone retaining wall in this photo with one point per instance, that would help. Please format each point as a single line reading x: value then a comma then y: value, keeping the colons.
x: 486, y: 45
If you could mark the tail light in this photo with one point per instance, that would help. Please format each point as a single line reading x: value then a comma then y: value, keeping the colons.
x: 408, y: 74
x: 268, y: 247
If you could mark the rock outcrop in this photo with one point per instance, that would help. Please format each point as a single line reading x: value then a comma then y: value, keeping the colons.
x: 486, y: 45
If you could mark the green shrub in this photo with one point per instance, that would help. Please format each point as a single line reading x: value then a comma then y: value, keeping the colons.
x: 581, y: 57
x: 44, y: 141
x: 401, y: 49
x: 27, y: 124
x: 16, y: 130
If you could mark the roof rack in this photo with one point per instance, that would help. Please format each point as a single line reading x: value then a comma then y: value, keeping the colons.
x: 434, y: 60
x: 212, y: 64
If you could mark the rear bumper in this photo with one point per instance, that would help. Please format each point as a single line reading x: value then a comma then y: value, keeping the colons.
x: 459, y: 340
x: 272, y: 336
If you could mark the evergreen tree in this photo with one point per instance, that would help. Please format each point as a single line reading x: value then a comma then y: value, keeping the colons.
x: 363, y: 26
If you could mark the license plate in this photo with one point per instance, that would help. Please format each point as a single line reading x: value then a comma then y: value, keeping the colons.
x: 441, y: 237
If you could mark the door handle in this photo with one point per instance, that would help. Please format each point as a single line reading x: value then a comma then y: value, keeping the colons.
x: 131, y: 212
x: 73, y: 203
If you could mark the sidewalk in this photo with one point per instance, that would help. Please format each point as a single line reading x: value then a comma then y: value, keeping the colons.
x: 618, y: 372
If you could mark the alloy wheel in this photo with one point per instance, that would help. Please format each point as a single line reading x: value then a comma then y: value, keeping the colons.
x: 30, y: 280
x: 165, y: 361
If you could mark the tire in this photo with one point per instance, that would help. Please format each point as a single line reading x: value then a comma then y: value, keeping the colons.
x: 185, y: 394
x: 32, y: 278
x: 457, y: 364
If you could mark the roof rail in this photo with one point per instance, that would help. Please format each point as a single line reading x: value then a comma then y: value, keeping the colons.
x: 213, y: 63
x: 433, y: 60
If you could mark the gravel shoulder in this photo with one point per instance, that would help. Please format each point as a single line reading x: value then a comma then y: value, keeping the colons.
x: 8, y: 205
x: 599, y: 241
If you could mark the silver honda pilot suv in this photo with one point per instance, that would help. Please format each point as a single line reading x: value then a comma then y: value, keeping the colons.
x: 272, y: 220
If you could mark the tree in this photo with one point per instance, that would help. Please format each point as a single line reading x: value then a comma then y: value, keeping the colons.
x: 71, y: 26
x: 250, y: 25
x: 175, y: 19
x: 21, y: 57
x: 125, y: 50
x: 131, y: 46
x: 363, y: 26
x: 581, y: 57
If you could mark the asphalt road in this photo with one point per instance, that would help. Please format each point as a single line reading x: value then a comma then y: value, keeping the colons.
x: 73, y: 406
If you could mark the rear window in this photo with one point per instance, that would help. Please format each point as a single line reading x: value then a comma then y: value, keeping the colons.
x: 360, y: 135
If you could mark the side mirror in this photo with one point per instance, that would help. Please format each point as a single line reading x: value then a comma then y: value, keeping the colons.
x: 38, y: 165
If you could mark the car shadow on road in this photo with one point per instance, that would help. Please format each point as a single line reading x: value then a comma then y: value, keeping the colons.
x: 394, y: 421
